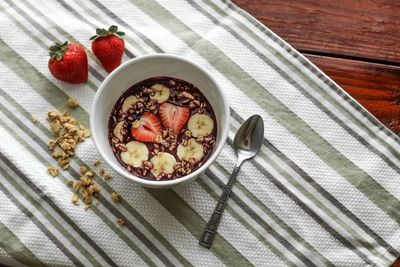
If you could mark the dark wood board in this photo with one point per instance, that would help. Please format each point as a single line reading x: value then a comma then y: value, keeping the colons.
x: 375, y: 86
x: 367, y: 29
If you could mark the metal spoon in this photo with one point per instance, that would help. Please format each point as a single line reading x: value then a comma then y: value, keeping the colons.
x: 247, y: 143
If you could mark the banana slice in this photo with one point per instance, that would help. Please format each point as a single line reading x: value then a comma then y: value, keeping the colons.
x: 200, y: 124
x: 129, y: 102
x: 135, y: 154
x: 162, y: 162
x: 117, y: 130
x: 161, y: 92
x: 193, y: 152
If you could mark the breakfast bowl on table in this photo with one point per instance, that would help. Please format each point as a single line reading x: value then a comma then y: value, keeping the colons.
x: 159, y: 120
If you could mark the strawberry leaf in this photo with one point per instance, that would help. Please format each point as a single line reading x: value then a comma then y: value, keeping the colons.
x: 53, y: 48
x: 112, y: 30
x: 56, y: 51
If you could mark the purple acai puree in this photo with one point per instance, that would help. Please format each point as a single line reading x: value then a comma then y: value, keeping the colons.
x: 182, y: 94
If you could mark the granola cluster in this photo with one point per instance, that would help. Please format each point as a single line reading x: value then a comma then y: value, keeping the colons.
x: 168, y: 140
x: 67, y: 134
x: 52, y: 171
x: 86, y: 186
x: 72, y: 102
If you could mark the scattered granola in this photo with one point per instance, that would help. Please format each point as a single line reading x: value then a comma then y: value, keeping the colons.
x: 34, y: 120
x: 96, y: 162
x: 107, y: 176
x: 67, y: 134
x: 72, y: 102
x: 82, y: 169
x: 120, y: 221
x: 87, y: 188
x: 74, y: 200
x: 70, y: 183
x: 89, y: 174
x: 116, y: 198
x: 52, y: 170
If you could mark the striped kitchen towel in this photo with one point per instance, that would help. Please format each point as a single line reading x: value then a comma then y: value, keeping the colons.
x: 324, y: 190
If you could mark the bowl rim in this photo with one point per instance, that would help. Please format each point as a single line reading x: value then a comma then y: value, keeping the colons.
x: 183, y: 179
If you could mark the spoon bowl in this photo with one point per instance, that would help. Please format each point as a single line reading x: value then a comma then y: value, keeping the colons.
x: 249, y: 138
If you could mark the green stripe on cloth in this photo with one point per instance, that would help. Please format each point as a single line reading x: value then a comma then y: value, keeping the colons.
x: 322, y: 221
x: 319, y: 100
x: 114, y: 16
x: 66, y: 251
x: 52, y: 38
x: 104, y: 218
x: 190, y: 219
x: 103, y: 22
x: 134, y: 213
x: 373, y: 190
x: 378, y: 126
x: 266, y: 210
x: 338, y: 118
x: 39, y: 82
x: 295, y: 69
x: 101, y: 199
x: 108, y: 12
x: 16, y: 249
x: 37, y: 124
x: 110, y: 190
x: 99, y: 180
x: 234, y: 214
x: 332, y: 215
x: 45, y: 46
x: 142, y: 36
x: 318, y: 187
x: 48, y: 216
x: 285, y: 215
x: 204, y: 48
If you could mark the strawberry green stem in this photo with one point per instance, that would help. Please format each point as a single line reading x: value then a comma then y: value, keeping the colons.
x: 113, y: 30
x: 57, y: 50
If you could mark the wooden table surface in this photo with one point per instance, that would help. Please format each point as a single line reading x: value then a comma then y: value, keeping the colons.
x: 355, y: 42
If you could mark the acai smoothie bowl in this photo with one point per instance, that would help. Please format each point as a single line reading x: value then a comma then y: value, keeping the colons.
x: 159, y: 120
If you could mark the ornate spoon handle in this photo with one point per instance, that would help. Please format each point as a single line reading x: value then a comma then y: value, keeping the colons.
x: 208, y: 235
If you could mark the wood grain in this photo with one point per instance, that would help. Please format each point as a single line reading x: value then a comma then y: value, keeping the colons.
x: 367, y: 29
x: 375, y: 86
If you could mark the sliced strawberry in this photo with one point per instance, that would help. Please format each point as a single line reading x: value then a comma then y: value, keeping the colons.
x: 147, y: 128
x: 173, y: 117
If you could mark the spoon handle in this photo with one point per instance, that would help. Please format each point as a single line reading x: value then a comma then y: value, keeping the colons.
x: 208, y: 235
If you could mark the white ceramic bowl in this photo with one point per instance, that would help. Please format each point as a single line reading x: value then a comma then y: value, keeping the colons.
x: 141, y: 68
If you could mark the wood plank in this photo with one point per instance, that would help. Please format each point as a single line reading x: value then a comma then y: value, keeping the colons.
x: 375, y: 86
x: 368, y: 29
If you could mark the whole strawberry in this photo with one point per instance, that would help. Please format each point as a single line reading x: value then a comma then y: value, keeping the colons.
x: 108, y: 46
x: 68, y: 62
